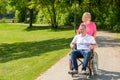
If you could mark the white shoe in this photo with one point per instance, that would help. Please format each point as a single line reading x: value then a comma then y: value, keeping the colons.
x: 83, y: 72
x: 73, y: 72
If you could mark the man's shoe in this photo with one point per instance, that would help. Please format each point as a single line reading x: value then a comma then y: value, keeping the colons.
x: 95, y: 73
x: 83, y: 72
x: 73, y: 72
x: 69, y: 72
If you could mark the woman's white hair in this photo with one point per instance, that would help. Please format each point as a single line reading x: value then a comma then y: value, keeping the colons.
x: 86, y: 13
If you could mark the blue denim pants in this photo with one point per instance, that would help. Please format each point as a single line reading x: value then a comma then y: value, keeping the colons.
x: 79, y: 54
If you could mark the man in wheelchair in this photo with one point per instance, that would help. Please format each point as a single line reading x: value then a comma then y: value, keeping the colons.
x: 84, y: 44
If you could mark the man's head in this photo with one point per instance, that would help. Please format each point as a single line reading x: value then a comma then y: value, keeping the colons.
x: 83, y: 28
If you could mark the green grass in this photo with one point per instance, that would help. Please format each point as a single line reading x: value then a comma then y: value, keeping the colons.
x: 26, y: 53
x: 118, y: 36
x: 6, y: 20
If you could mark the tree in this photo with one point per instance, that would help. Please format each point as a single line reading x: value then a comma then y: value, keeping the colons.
x: 23, y: 6
x: 50, y: 5
x: 3, y: 4
x: 55, y: 8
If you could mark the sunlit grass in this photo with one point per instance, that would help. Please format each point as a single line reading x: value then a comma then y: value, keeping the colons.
x: 27, y: 53
x: 118, y: 36
x: 4, y: 20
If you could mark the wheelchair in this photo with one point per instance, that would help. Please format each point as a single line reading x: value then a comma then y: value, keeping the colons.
x: 92, y: 67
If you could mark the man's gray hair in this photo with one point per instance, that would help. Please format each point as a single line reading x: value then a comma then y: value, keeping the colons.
x: 83, y: 25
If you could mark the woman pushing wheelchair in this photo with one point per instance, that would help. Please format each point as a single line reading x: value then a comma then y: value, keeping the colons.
x: 85, y: 42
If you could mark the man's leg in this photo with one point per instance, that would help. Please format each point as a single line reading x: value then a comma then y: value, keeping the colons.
x: 86, y: 55
x: 74, y: 55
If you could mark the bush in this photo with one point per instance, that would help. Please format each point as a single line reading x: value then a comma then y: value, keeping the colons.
x: 42, y: 17
x: 116, y: 28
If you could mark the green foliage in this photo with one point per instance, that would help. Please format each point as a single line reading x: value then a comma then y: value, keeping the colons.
x: 19, y: 4
x: 61, y: 12
x: 3, y: 4
x: 43, y: 17
x: 116, y: 28
x: 112, y: 21
x: 21, y: 15
x: 69, y: 18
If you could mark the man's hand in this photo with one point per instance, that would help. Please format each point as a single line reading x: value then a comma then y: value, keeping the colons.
x: 72, y: 45
x: 91, y: 47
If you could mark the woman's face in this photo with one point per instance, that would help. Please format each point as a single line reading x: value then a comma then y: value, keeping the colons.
x: 86, y: 18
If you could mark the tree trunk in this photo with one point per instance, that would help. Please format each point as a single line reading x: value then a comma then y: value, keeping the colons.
x: 54, y: 23
x: 1, y: 16
x: 31, y: 17
x: 79, y: 2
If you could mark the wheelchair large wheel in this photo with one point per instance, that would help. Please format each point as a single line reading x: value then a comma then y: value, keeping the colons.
x: 88, y: 73
x: 70, y: 65
x: 95, y: 63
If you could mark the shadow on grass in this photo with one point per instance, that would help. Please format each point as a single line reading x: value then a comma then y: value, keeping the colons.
x: 15, y: 51
x: 60, y: 28
x: 37, y: 28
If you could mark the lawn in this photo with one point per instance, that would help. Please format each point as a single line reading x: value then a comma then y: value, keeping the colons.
x: 27, y: 53
x: 118, y: 36
x: 4, y: 20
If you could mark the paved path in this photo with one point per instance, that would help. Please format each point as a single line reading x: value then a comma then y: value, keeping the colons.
x: 109, y: 61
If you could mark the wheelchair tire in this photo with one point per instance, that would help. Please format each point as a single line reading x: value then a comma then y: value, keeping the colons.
x: 88, y: 72
x: 95, y: 63
x: 70, y: 65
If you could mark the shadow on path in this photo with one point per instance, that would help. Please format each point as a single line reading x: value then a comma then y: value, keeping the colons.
x: 107, y: 42
x: 103, y: 75
x: 107, y: 75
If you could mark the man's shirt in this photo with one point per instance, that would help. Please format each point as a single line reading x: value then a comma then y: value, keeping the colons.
x: 83, y: 42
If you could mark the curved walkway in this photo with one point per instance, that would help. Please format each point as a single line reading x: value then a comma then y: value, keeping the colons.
x: 109, y: 61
